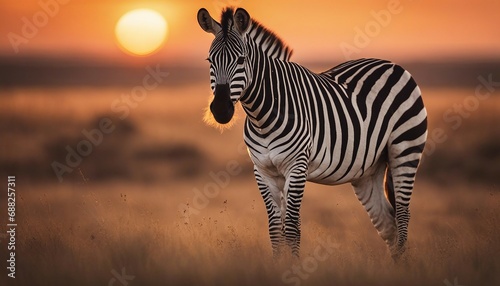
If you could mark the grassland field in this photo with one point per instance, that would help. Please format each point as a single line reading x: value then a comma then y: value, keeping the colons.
x: 132, y: 208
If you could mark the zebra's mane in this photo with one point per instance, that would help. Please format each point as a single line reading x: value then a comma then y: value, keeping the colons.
x: 269, y: 40
x: 227, y: 20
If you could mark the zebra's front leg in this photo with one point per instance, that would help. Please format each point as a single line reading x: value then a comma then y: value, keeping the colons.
x: 294, y: 190
x: 270, y: 192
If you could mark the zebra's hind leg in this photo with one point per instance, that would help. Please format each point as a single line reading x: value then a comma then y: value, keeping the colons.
x: 370, y: 192
x: 403, y: 172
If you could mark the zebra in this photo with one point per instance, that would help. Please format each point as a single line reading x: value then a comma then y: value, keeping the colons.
x: 362, y: 122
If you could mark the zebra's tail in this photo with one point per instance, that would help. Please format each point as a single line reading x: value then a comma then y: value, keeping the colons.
x: 389, y: 188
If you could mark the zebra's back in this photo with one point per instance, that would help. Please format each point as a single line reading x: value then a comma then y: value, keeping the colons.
x: 384, y: 99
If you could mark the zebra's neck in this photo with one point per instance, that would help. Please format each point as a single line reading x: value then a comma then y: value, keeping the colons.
x: 261, y: 101
x: 266, y: 101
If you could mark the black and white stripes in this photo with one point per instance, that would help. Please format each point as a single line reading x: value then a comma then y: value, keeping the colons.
x: 361, y: 122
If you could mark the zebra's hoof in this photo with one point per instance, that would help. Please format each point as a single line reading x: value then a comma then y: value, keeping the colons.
x: 398, y: 254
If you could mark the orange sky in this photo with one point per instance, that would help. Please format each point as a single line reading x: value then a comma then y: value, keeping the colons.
x: 417, y: 29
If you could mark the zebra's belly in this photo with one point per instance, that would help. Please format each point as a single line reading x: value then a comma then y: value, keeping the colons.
x: 330, y: 170
x: 333, y: 179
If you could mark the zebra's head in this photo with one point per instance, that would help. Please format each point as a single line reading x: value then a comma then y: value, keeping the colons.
x: 229, y: 67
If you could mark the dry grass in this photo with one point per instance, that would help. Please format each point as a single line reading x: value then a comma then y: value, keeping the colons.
x: 76, y: 233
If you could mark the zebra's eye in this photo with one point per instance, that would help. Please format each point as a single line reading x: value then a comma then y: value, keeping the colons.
x: 241, y: 60
x: 209, y: 60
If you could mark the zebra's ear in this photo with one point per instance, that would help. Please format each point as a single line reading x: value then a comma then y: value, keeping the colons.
x: 207, y: 23
x: 242, y: 20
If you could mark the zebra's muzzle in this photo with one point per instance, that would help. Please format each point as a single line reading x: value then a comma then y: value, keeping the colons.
x: 222, y: 107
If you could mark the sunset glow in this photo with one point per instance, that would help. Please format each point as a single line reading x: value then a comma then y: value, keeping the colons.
x: 327, y: 31
x: 141, y: 32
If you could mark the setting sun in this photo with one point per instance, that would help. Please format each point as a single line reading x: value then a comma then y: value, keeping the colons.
x: 141, y: 32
